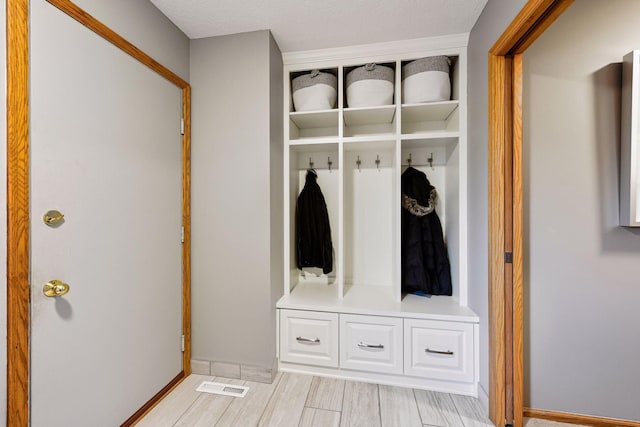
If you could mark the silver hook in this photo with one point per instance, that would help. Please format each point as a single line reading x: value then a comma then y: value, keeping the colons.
x: 310, y: 163
x: 430, y: 160
x: 358, y: 162
x: 409, y: 159
x: 329, y: 162
x: 378, y: 162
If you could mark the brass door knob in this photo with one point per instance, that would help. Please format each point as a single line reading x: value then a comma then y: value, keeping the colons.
x: 55, y: 288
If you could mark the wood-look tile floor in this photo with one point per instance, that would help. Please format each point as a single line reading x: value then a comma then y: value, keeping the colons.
x: 306, y: 401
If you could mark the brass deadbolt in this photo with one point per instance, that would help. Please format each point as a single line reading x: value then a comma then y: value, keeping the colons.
x: 53, y: 218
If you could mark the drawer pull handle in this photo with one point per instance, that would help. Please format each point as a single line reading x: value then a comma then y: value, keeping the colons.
x: 308, y: 340
x: 448, y: 352
x: 363, y: 345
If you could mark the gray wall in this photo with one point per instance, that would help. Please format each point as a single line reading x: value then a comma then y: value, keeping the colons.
x: 582, y: 271
x: 143, y: 25
x: 495, y: 18
x: 237, y: 197
x: 276, y: 177
x: 3, y: 217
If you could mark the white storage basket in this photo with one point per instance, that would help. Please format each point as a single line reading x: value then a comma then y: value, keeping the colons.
x: 370, y: 86
x: 426, y: 80
x: 314, y: 91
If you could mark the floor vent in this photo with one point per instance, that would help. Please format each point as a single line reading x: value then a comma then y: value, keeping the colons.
x: 224, y: 389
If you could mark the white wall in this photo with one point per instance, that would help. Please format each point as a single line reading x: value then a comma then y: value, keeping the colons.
x: 495, y: 18
x: 3, y: 217
x: 582, y: 271
x: 236, y: 207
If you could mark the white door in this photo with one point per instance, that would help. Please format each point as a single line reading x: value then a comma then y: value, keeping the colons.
x: 106, y: 152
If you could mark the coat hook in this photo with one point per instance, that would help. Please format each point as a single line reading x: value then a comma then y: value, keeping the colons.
x: 329, y: 162
x: 358, y: 162
x: 409, y: 159
x: 378, y: 162
x: 310, y: 163
x: 430, y: 160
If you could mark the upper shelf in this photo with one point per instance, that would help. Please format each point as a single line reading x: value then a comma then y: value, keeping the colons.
x: 315, y: 119
x: 434, y: 119
x: 423, y: 121
x: 369, y: 115
x: 309, y: 125
x: 428, y: 112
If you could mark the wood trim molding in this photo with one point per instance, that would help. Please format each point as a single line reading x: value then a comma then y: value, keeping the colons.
x: 497, y: 339
x: 117, y: 40
x: 17, y: 212
x: 517, y: 242
x: 534, y: 18
x: 587, y: 420
x: 18, y: 295
x: 186, y: 223
x: 506, y: 380
x: 153, y: 402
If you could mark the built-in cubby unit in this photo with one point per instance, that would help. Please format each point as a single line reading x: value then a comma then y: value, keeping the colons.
x: 359, y: 155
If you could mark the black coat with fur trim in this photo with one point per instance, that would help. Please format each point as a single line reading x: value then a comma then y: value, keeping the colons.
x: 425, y: 263
x: 313, y: 233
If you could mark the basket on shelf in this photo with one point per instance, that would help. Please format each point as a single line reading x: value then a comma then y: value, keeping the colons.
x: 314, y: 91
x: 369, y: 86
x: 426, y: 80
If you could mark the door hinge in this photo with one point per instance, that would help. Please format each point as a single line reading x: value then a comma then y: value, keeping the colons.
x: 508, y: 257
x: 182, y: 342
x: 182, y: 234
x: 181, y: 126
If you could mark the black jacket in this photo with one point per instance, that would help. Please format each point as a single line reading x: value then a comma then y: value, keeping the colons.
x: 425, y: 263
x: 313, y: 233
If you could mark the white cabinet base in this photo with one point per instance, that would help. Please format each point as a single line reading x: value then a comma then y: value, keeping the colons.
x: 380, y: 349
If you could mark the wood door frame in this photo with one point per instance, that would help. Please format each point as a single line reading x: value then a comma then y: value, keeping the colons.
x: 506, y: 381
x: 18, y: 264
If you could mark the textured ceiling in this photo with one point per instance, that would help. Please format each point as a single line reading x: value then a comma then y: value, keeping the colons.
x: 308, y: 24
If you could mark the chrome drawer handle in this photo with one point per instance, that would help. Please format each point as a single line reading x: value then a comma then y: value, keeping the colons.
x: 448, y: 352
x: 363, y: 345
x: 308, y: 340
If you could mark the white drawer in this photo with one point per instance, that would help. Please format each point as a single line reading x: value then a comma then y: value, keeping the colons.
x: 371, y: 343
x: 439, y: 350
x: 309, y: 337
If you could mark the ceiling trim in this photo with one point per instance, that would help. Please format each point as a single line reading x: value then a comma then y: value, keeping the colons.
x: 378, y: 50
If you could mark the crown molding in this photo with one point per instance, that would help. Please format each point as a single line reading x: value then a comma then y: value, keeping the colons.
x: 401, y: 47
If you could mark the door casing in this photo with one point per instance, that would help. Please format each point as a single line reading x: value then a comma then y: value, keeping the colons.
x: 506, y: 381
x: 18, y: 287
